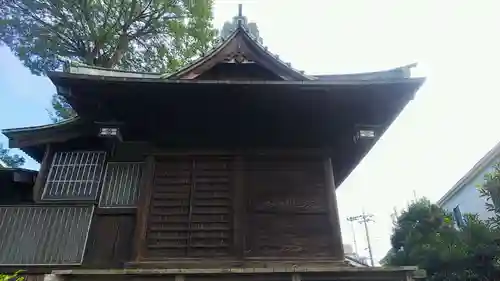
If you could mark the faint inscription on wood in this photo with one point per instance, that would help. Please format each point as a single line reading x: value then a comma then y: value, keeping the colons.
x: 288, y: 210
x: 296, y: 204
x: 289, y: 235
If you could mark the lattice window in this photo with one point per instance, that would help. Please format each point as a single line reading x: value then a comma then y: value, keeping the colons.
x: 43, y: 235
x: 75, y: 175
x: 121, y: 185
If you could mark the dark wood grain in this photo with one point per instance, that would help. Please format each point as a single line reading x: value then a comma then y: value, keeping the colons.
x: 43, y: 173
x: 109, y: 241
x: 145, y: 191
x: 287, y: 208
x: 333, y: 211
x: 190, y: 212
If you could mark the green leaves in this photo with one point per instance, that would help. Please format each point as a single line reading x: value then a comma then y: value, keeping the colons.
x: 12, y: 277
x: 13, y: 161
x: 424, y: 235
x: 137, y: 35
x: 62, y: 110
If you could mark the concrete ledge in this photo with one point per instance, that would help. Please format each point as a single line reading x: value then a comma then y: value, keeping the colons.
x: 158, y: 271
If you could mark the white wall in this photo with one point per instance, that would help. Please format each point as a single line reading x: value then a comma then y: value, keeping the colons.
x: 468, y: 198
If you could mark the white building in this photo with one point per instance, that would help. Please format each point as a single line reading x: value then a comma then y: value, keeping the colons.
x: 464, y: 196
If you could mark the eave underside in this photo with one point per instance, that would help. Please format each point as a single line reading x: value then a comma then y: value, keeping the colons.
x: 228, y: 115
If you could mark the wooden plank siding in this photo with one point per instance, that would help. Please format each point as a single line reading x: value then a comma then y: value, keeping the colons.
x: 230, y: 206
x: 287, y: 209
x: 237, y: 207
x: 110, y: 240
x: 43, y: 235
x: 190, y: 212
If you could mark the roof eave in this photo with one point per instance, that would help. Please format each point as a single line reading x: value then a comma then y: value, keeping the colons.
x: 13, y: 131
x: 58, y: 77
x: 471, y: 174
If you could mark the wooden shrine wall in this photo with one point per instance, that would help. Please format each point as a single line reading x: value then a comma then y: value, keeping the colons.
x: 205, y: 206
x: 237, y: 207
x: 286, y: 208
x: 190, y: 209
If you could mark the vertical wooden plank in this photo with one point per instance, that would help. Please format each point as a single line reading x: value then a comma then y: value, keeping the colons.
x: 239, y: 218
x: 145, y: 191
x: 124, y: 237
x: 43, y: 173
x: 338, y: 247
x: 192, y: 190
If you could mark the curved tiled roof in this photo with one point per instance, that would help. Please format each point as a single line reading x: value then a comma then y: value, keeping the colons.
x: 394, y: 73
x: 41, y: 127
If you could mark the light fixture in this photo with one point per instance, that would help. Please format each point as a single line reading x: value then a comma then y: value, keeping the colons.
x: 366, y: 134
x: 109, y: 132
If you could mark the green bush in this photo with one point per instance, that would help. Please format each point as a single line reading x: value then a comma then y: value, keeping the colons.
x: 12, y: 277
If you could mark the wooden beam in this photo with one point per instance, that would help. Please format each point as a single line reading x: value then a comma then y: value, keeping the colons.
x: 43, y: 173
x: 338, y: 247
x: 241, y: 152
x: 145, y: 190
x: 369, y: 271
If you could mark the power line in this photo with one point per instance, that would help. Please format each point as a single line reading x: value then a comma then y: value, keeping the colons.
x: 365, y: 219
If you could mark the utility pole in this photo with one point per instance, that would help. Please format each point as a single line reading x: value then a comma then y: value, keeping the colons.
x: 365, y: 219
x: 352, y: 220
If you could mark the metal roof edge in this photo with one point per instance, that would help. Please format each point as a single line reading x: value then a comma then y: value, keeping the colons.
x: 102, y: 71
x: 370, y: 75
x: 41, y: 127
x: 470, y: 175
x: 79, y: 76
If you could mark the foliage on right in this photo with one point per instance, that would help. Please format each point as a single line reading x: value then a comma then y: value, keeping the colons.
x: 426, y: 236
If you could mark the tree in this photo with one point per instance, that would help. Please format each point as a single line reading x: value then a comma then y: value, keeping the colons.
x: 13, y: 161
x: 425, y: 235
x: 61, y: 109
x: 490, y: 190
x: 139, y: 35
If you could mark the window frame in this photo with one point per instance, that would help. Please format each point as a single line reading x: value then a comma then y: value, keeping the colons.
x: 97, y: 183
x: 458, y: 217
x: 104, y: 186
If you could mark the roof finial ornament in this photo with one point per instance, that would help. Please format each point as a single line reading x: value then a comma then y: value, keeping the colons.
x: 240, y: 15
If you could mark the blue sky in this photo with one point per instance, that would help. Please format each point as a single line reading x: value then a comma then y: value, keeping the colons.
x: 438, y: 137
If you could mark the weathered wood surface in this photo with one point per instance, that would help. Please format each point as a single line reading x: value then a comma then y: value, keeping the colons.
x: 280, y: 207
x: 246, y: 274
x: 287, y: 209
x: 190, y: 209
x: 110, y: 240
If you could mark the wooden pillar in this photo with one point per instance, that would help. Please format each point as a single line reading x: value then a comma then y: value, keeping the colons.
x: 239, y: 217
x: 43, y: 173
x: 145, y: 189
x: 338, y: 247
